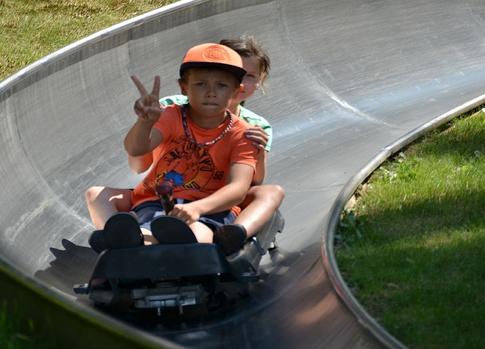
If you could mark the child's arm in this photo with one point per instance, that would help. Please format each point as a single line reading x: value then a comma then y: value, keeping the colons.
x: 140, y: 164
x: 142, y: 138
x: 260, y: 171
x: 231, y: 194
x: 259, y: 138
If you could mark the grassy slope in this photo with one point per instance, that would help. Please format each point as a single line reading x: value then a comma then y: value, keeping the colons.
x: 413, y: 250
x: 32, y: 29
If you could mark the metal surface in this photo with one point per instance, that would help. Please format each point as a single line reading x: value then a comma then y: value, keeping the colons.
x: 349, y: 78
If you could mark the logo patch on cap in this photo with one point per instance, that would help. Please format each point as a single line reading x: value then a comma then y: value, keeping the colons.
x: 216, y: 53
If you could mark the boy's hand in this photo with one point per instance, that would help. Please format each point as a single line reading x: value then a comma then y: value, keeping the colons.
x: 185, y: 212
x: 257, y: 135
x: 147, y: 107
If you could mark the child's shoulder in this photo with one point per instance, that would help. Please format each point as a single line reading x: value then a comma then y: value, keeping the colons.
x: 170, y: 113
x: 173, y: 109
x: 253, y: 119
x: 239, y: 126
x: 174, y: 100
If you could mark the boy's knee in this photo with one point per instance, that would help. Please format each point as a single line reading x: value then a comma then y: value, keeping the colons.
x: 278, y: 192
x: 273, y: 194
x: 92, y: 193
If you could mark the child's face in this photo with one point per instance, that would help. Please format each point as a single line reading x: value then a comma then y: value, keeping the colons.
x: 210, y: 90
x: 251, y: 80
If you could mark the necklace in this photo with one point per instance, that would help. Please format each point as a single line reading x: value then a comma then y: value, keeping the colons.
x: 188, y: 134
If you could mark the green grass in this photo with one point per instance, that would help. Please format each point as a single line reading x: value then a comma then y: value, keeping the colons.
x: 17, y: 332
x: 31, y: 29
x: 412, y: 249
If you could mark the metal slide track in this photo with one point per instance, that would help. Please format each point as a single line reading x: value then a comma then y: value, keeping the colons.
x: 351, y: 82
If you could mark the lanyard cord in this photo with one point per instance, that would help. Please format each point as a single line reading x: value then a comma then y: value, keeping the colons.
x: 189, y: 135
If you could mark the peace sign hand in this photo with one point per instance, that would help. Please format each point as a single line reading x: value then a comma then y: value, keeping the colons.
x: 147, y: 107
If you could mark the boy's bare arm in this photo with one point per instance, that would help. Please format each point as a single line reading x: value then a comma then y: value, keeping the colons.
x: 260, y: 168
x: 231, y: 194
x: 259, y: 138
x: 142, y: 138
x: 140, y: 164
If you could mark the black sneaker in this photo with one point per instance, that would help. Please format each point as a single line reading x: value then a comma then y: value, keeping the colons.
x: 122, y: 231
x: 230, y: 237
x: 97, y: 241
x: 171, y: 230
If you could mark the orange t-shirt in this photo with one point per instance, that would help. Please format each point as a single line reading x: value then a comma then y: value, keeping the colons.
x: 196, y: 171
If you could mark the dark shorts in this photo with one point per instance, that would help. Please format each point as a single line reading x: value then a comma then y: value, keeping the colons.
x: 148, y: 211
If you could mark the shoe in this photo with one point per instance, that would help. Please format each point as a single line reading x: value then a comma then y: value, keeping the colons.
x: 171, y: 230
x: 122, y: 231
x: 97, y: 241
x: 230, y: 237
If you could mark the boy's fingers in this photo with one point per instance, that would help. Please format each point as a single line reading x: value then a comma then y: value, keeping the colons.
x: 259, y: 145
x: 156, y: 87
x: 153, y: 110
x: 139, y: 85
x: 256, y: 132
x: 257, y: 139
x: 151, y: 100
x: 263, y: 137
x: 138, y: 109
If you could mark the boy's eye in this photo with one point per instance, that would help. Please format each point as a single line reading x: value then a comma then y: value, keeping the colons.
x: 222, y: 84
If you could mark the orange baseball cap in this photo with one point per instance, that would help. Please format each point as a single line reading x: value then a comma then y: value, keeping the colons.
x: 213, y: 56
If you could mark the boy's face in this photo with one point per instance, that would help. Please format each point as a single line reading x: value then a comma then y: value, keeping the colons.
x: 251, y: 80
x: 209, y: 90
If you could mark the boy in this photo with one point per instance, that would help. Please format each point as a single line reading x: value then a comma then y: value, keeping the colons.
x: 200, y: 148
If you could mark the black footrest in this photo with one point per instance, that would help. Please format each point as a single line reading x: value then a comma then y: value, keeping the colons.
x: 81, y: 288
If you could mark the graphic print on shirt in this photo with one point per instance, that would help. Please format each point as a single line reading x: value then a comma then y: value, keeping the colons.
x: 187, y: 166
